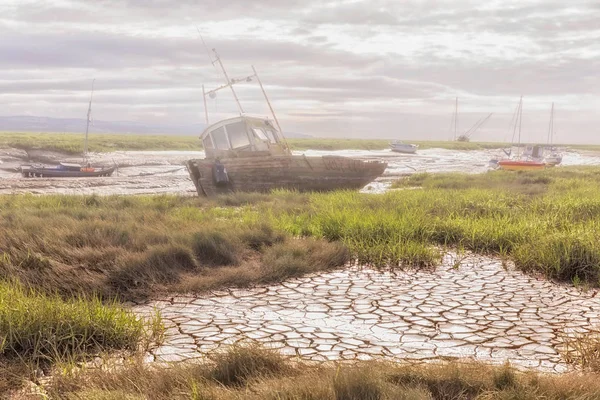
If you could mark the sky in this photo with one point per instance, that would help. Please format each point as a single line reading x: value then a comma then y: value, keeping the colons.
x: 343, y: 68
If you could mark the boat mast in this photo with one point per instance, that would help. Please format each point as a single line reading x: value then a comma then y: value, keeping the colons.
x: 87, y: 127
x: 205, y: 107
x: 520, y: 121
x: 551, y: 125
x: 229, y: 82
x: 456, y: 119
x: 267, y: 99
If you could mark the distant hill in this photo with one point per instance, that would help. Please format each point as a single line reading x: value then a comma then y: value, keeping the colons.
x: 77, y: 125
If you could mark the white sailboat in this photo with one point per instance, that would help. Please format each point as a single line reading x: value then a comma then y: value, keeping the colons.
x: 555, y: 157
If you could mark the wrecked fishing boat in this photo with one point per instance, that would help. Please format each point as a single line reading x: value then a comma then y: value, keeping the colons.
x: 250, y: 154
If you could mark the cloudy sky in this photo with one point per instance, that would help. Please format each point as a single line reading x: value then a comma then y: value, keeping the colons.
x: 343, y: 68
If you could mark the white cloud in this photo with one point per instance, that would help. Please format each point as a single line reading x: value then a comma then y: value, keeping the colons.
x: 332, y: 68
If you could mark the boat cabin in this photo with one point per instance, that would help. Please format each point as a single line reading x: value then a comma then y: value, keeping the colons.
x: 243, y: 136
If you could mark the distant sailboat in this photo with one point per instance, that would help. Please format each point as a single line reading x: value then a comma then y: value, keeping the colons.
x: 70, y: 170
x: 554, y: 158
x: 522, y: 162
x: 466, y: 136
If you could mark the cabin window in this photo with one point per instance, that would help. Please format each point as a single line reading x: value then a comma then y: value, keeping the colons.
x: 237, y: 135
x: 271, y: 135
x: 219, y: 139
x: 259, y: 133
x: 207, y: 142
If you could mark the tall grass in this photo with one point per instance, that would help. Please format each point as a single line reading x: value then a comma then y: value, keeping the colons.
x: 547, y: 222
x: 135, y: 247
x: 45, y: 328
x: 258, y: 374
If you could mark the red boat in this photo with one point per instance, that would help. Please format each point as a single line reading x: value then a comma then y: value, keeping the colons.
x: 521, y: 165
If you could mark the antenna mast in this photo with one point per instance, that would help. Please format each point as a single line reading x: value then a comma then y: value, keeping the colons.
x: 89, y: 118
x: 456, y: 119
x: 229, y: 82
x: 551, y: 125
x: 520, y: 120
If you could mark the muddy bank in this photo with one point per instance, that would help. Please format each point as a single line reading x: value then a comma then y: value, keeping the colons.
x: 154, y: 172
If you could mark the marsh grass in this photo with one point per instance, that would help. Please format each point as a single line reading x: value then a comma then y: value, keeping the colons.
x: 134, y: 246
x: 255, y: 373
x: 42, y: 328
x: 545, y: 222
x: 101, y: 142
x: 131, y: 248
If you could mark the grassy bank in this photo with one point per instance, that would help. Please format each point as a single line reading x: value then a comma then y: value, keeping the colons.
x: 73, y: 143
x: 254, y: 373
x: 546, y: 222
x: 38, y: 330
x: 133, y: 246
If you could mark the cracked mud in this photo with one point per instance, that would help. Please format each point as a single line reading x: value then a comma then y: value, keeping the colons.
x: 479, y: 311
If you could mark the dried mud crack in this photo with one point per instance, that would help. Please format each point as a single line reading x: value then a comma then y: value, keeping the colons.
x: 479, y: 311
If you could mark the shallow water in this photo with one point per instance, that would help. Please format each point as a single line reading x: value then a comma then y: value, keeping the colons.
x: 163, y: 172
x: 480, y: 311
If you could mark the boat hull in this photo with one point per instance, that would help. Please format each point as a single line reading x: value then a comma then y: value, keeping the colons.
x: 521, y: 165
x: 33, y: 172
x: 263, y: 174
x: 553, y: 160
x: 404, y: 150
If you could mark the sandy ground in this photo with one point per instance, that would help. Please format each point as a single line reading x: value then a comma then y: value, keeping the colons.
x: 163, y: 172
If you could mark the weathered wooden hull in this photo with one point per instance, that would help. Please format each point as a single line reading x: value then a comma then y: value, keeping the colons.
x: 263, y: 174
x: 32, y: 172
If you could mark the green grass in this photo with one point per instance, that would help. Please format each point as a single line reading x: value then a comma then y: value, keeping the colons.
x: 254, y: 373
x: 72, y: 143
x: 38, y: 326
x: 133, y: 247
x: 546, y: 222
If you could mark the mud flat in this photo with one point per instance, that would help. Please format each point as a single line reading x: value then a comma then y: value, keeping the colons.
x: 154, y: 172
x: 479, y: 311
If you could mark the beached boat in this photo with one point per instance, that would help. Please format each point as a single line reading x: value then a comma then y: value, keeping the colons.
x: 521, y: 165
x: 401, y: 147
x: 250, y: 154
x: 554, y: 157
x: 530, y: 158
x: 64, y: 170
x: 70, y: 170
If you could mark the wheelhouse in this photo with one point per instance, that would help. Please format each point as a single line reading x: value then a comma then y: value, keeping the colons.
x: 242, y: 137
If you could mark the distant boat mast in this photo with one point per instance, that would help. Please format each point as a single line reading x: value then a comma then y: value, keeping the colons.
x: 456, y: 119
x: 551, y: 126
x: 89, y: 119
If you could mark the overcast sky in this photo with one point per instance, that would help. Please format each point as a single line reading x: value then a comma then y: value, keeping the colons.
x: 372, y: 68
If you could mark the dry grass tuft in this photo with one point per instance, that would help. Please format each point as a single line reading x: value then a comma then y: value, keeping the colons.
x: 242, y: 363
x: 253, y: 373
x: 214, y: 248
x: 301, y: 256
x: 583, y: 349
